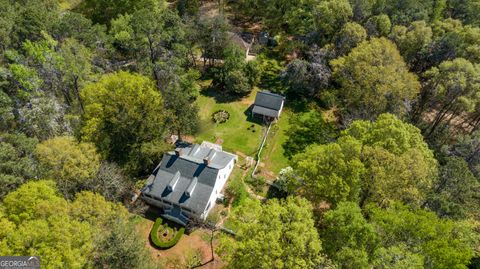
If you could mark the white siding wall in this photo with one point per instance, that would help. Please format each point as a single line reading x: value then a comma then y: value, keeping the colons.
x: 222, y: 177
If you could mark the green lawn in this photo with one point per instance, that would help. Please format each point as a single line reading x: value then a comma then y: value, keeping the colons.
x: 273, y: 154
x: 69, y: 4
x: 235, y: 133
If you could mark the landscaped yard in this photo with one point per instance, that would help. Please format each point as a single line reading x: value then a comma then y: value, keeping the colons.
x: 191, y: 249
x: 237, y: 134
x: 240, y: 134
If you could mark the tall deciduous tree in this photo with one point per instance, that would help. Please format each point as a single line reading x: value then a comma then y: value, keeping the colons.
x: 306, y: 129
x: 330, y: 16
x: 413, y: 42
x: 85, y: 232
x: 349, y: 37
x: 125, y: 118
x: 37, y: 222
x: 71, y: 164
x: 330, y: 172
x: 348, y: 239
x: 441, y: 243
x: 455, y: 195
x: 374, y: 79
x: 278, y: 234
x: 17, y: 161
x: 102, y: 11
x: 381, y: 162
x: 451, y: 89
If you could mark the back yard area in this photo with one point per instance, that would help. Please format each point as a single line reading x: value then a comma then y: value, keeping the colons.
x: 242, y: 134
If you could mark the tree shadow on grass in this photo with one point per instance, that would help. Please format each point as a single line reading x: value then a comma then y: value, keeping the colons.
x: 273, y: 192
x: 220, y: 96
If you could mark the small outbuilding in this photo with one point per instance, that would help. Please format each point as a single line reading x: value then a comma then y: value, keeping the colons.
x: 268, y: 105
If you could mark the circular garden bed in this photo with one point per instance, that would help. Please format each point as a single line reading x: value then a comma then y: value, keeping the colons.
x: 220, y: 116
x: 163, y: 236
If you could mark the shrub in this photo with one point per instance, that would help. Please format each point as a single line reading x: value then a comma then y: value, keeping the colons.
x: 220, y: 116
x: 164, y: 245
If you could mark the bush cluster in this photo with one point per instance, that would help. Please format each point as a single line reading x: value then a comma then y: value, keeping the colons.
x: 161, y: 244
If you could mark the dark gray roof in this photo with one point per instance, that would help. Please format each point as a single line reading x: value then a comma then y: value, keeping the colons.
x: 191, y: 179
x: 266, y: 111
x: 197, y: 153
x: 269, y: 100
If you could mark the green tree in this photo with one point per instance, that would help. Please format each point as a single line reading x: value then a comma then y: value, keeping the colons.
x: 404, y: 12
x: 467, y: 147
x: 17, y: 161
x: 349, y: 37
x: 348, y: 239
x: 40, y: 225
x: 188, y: 7
x: 455, y: 193
x: 231, y: 77
x: 284, y: 230
x: 36, y: 220
x: 382, y: 162
x: 102, y: 11
x: 155, y: 38
x: 125, y: 118
x: 362, y: 9
x: 398, y: 257
x: 73, y: 25
x: 306, y: 129
x: 330, y: 172
x: 73, y: 165
x: 374, y: 79
x: 330, y: 16
x: 413, y: 42
x: 400, y: 166
x: 442, y: 243
x: 76, y: 67
x: 6, y: 111
x: 452, y: 88
x: 379, y: 25
x: 280, y: 16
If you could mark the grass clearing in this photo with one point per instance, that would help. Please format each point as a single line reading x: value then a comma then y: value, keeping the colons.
x: 238, y: 133
x: 273, y: 155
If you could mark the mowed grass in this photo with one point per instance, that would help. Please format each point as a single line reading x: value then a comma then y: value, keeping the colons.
x: 69, y: 4
x: 237, y: 133
x: 273, y: 154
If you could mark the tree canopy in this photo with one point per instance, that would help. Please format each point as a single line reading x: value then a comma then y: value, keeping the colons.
x: 382, y: 161
x: 124, y: 115
x: 373, y: 78
x: 283, y: 229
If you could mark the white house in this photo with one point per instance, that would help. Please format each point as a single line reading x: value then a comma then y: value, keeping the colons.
x: 188, y: 181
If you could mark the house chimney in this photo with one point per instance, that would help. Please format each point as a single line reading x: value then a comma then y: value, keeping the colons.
x: 206, y: 161
x: 178, y: 151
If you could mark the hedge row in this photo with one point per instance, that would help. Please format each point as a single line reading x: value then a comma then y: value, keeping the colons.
x: 157, y: 242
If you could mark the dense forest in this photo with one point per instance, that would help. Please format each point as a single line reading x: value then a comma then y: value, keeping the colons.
x: 382, y: 148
